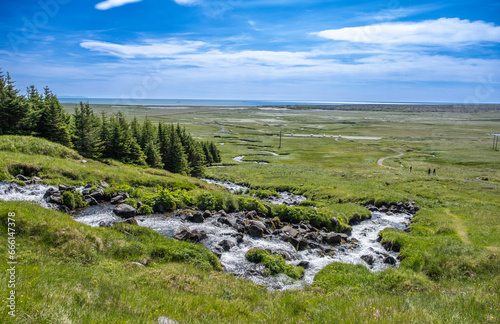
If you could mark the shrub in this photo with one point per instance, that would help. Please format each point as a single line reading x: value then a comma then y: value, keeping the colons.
x: 73, y: 200
x: 248, y: 203
x: 274, y: 263
x: 145, y: 210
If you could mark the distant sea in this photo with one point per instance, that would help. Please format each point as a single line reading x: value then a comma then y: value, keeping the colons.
x: 152, y: 103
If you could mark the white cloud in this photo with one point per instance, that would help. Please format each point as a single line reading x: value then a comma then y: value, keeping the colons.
x: 151, y: 50
x: 443, y: 31
x: 108, y: 4
x: 186, y: 2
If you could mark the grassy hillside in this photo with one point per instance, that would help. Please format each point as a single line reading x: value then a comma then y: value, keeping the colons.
x: 71, y: 273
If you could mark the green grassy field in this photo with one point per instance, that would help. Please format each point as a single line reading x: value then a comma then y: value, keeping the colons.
x: 451, y: 267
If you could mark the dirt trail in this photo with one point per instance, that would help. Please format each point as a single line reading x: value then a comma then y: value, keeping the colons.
x: 381, y: 161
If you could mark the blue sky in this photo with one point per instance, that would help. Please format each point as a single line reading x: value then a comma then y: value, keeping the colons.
x: 391, y: 51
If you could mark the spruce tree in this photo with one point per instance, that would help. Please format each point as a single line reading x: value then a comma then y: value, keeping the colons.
x: 215, y: 152
x: 105, y: 136
x: 175, y: 158
x: 87, y: 126
x: 208, y: 155
x: 136, y: 131
x: 14, y: 109
x: 153, y: 156
x: 54, y: 121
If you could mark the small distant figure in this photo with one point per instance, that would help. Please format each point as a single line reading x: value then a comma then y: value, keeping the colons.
x: 434, y: 172
x: 411, y: 168
x: 429, y: 171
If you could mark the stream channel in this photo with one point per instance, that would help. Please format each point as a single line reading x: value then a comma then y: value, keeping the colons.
x: 225, y: 240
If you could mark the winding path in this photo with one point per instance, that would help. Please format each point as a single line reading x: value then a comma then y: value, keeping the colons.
x: 381, y: 161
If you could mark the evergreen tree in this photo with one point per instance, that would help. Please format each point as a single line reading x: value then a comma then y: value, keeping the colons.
x: 215, y: 152
x: 135, y: 129
x: 122, y: 145
x: 14, y: 109
x: 148, y: 134
x: 194, y: 152
x: 105, y: 136
x: 175, y: 157
x: 87, y: 126
x: 153, y: 156
x: 54, y: 121
x: 208, y: 155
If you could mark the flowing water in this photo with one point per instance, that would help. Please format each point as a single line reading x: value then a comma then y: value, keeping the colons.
x: 284, y: 198
x: 363, y: 240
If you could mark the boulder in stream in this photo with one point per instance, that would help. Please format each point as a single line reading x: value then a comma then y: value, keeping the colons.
x: 256, y: 229
x: 186, y: 234
x: 125, y: 211
x: 334, y: 238
x: 196, y: 218
x: 368, y: 259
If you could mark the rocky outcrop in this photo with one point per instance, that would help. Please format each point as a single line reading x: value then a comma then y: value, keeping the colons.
x: 409, y: 207
x: 256, y: 229
x: 186, y: 234
x: 334, y: 238
x: 125, y: 211
x: 196, y: 218
x: 368, y: 259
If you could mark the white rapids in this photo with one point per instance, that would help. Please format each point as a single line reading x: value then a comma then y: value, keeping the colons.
x: 284, y: 198
x: 363, y: 240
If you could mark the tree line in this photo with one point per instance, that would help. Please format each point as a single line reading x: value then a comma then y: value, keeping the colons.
x: 169, y: 147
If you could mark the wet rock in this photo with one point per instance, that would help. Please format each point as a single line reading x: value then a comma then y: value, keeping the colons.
x: 51, y: 191
x: 390, y: 260
x: 35, y: 180
x: 303, y: 264
x: 131, y: 221
x: 125, y: 211
x: 313, y: 236
x: 256, y: 229
x: 159, y: 208
x: 334, y: 238
x: 225, y: 221
x: 383, y: 209
x: 196, y: 218
x: 21, y: 177
x: 97, y: 195
x: 368, y: 259
x: 55, y: 199
x: 298, y: 243
x: 222, y: 213
x: 252, y: 215
x: 91, y: 200
x: 64, y: 209
x: 389, y: 246
x: 63, y: 188
x: 186, y: 234
x: 289, y: 230
x: 104, y: 185
x: 355, y: 219
x: 226, y: 245
x: 118, y: 200
x: 86, y: 191
x: 207, y: 214
x: 239, y: 238
x: 274, y: 223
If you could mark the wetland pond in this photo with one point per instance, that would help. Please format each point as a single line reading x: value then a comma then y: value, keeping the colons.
x: 225, y: 238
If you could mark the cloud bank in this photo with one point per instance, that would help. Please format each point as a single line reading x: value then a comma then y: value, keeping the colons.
x: 442, y: 31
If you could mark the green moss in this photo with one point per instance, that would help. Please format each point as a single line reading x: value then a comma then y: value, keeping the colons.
x: 274, y: 264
